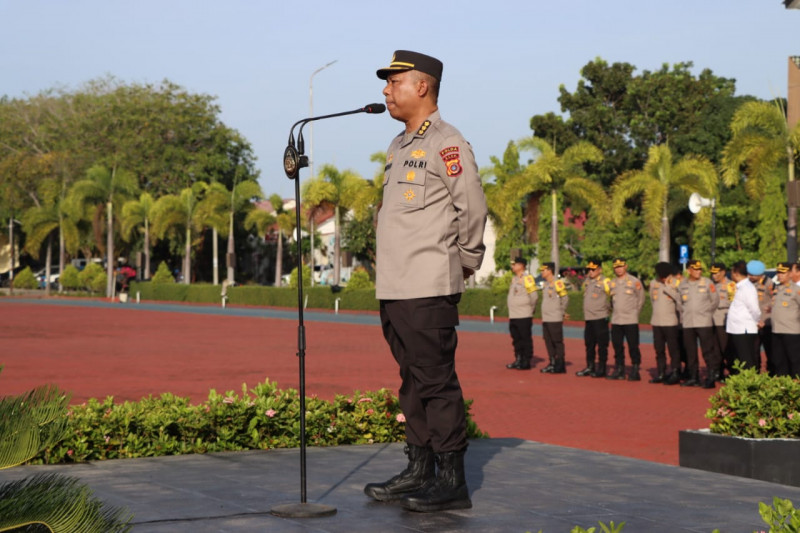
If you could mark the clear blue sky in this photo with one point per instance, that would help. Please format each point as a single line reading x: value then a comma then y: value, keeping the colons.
x: 504, y: 60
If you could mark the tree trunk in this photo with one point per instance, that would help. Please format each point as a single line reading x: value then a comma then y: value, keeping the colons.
x: 554, y: 255
x: 791, y: 216
x: 663, y: 244
x: 110, y: 261
x: 61, y: 253
x: 48, y: 264
x: 336, y: 253
x: 229, y: 262
x: 146, y: 250
x: 279, y: 260
x: 311, y: 241
x: 13, y: 256
x: 187, y: 258
x: 215, y: 253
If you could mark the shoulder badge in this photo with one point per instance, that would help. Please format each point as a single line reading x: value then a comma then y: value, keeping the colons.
x: 452, y: 161
x: 712, y: 287
x: 561, y: 288
x: 607, y: 285
x: 422, y: 129
x: 731, y: 290
x: 530, y: 283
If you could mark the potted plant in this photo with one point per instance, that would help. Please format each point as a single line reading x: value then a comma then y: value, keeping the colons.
x: 754, y: 430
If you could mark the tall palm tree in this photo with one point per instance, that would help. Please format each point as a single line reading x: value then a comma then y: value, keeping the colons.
x: 173, y: 214
x: 259, y: 220
x: 658, y: 182
x: 761, y: 144
x: 106, y: 188
x: 138, y: 215
x: 340, y: 189
x: 551, y: 173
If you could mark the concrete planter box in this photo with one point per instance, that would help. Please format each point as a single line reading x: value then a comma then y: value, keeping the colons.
x: 774, y: 460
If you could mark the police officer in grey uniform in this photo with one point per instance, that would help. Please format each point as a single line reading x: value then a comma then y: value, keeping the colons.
x: 699, y: 298
x: 522, y: 298
x: 627, y: 298
x: 756, y: 273
x: 429, y: 240
x: 786, y: 324
x: 666, y: 303
x: 726, y: 288
x: 595, y: 313
x: 554, y: 306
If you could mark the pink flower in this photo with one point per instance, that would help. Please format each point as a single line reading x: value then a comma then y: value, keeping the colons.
x: 270, y: 412
x: 229, y: 399
x: 791, y: 416
x: 107, y: 438
x: 370, y: 411
x: 362, y: 400
x: 70, y: 452
x: 400, y: 418
x: 762, y: 422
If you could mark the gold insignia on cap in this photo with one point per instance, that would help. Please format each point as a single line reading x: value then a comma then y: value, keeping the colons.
x: 418, y: 154
x: 424, y: 127
x: 411, y: 175
x: 409, y: 195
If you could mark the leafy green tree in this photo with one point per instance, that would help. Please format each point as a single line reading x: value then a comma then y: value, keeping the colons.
x: 662, y: 184
x: 174, y: 215
x: 552, y: 173
x: 137, y: 216
x: 163, y: 275
x: 760, y: 147
x: 106, y: 187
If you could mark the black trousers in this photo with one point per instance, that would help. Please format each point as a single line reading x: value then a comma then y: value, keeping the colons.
x: 666, y: 337
x: 764, y: 338
x: 422, y: 336
x: 522, y: 337
x: 744, y: 348
x: 553, y: 334
x: 726, y: 357
x: 706, y: 338
x: 621, y: 332
x: 786, y: 354
x: 595, y: 336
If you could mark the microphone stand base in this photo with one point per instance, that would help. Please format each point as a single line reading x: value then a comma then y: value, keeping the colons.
x: 303, y: 510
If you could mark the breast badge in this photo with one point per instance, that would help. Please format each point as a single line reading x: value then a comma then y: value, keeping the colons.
x: 409, y: 195
x: 411, y: 175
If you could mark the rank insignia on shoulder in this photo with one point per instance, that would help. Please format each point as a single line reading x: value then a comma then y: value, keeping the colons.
x: 561, y: 288
x: 422, y: 129
x: 409, y: 195
x: 411, y: 175
x: 452, y: 161
x: 712, y: 288
x: 418, y: 154
x: 530, y: 283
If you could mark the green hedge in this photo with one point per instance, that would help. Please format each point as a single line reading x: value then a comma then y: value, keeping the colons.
x: 474, y: 302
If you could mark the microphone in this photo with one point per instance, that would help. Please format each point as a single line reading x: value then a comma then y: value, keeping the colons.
x: 293, y: 158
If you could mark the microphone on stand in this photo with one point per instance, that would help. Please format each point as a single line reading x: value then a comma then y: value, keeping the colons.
x: 294, y: 158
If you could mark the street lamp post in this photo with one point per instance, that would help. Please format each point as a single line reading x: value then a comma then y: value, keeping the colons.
x: 311, y: 155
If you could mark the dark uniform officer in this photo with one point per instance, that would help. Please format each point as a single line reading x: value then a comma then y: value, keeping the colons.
x: 522, y: 298
x: 554, y: 306
x: 429, y: 239
x: 595, y: 313
x: 699, y: 298
x: 666, y: 309
x: 627, y: 298
x: 786, y: 324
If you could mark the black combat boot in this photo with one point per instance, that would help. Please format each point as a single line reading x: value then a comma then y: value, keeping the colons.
x: 517, y: 362
x: 524, y: 363
x: 449, y: 489
x: 693, y: 381
x: 673, y: 378
x: 550, y: 367
x: 634, y: 375
x: 660, y: 377
x: 421, y: 468
x: 618, y: 373
x: 599, y: 370
x: 588, y: 371
x: 711, y: 380
x: 560, y: 366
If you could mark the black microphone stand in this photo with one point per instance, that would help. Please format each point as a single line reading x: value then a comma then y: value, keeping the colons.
x: 293, y: 161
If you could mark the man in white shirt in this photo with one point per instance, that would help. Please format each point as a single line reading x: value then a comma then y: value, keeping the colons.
x: 743, y: 316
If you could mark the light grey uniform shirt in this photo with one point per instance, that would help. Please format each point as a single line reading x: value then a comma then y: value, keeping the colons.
x: 554, y: 301
x: 521, y: 303
x: 433, y: 214
x: 595, y: 298
x: 764, y: 288
x: 725, y: 289
x: 627, y: 299
x: 666, y: 304
x: 786, y: 309
x: 700, y: 300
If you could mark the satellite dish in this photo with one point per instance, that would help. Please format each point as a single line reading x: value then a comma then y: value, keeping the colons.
x: 697, y: 202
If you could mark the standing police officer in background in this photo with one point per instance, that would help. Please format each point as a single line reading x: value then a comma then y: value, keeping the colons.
x: 554, y: 307
x: 756, y: 273
x: 429, y: 240
x: 786, y: 324
x: 666, y: 308
x: 522, y: 298
x: 699, y: 298
x: 725, y: 289
x: 627, y: 299
x: 595, y: 313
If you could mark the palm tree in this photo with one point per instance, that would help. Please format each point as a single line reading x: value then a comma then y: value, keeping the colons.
x: 761, y: 144
x: 657, y: 182
x: 176, y: 213
x: 259, y: 220
x: 551, y: 173
x: 106, y: 187
x: 342, y: 190
x: 139, y: 214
